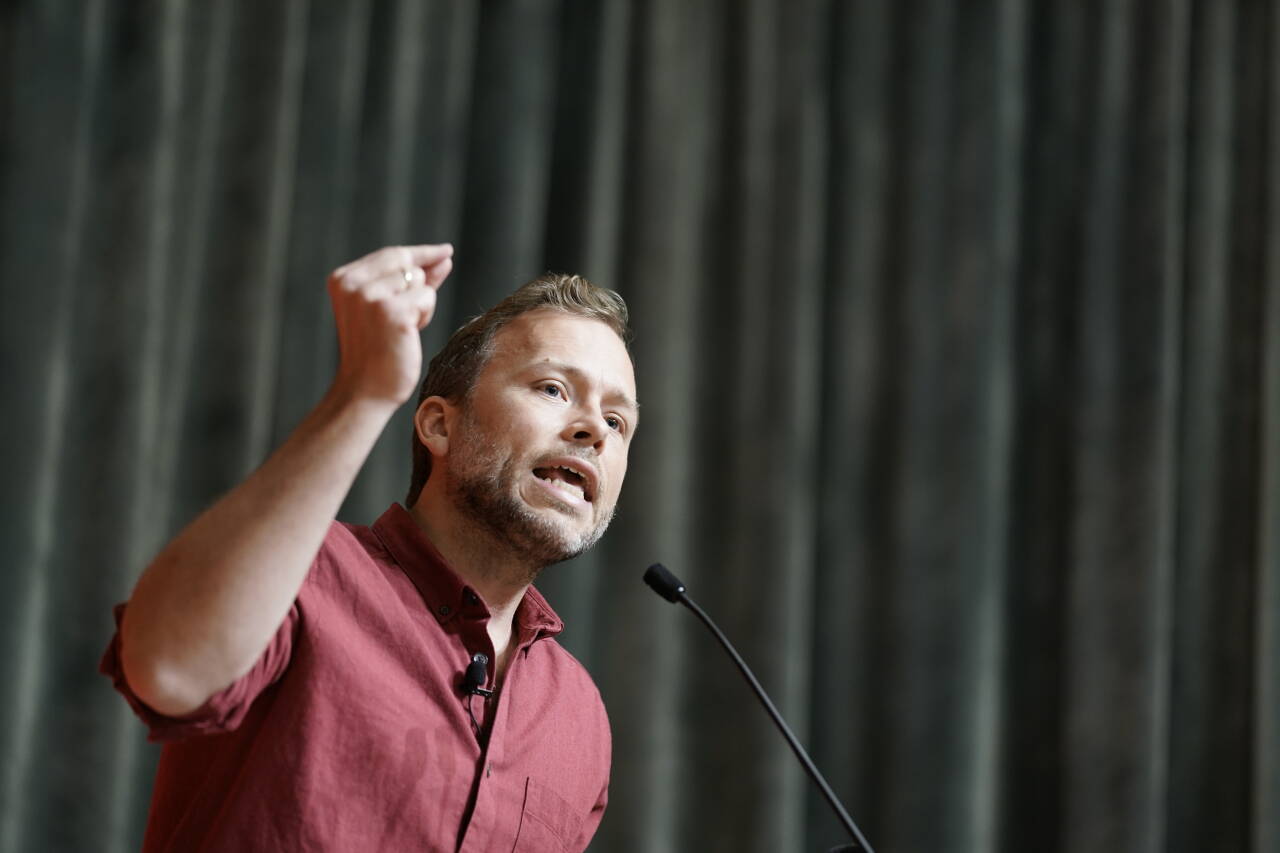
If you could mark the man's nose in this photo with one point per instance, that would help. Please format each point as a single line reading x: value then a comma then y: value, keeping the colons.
x: 587, y: 428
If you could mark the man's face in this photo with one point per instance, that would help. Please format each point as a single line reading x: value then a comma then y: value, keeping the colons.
x: 541, y: 450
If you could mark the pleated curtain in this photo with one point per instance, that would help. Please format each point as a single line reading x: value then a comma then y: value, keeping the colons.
x: 958, y: 333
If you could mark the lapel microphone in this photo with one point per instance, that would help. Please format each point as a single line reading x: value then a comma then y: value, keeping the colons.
x: 476, y: 675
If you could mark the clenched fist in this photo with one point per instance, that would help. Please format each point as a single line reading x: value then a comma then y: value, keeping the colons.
x: 380, y: 303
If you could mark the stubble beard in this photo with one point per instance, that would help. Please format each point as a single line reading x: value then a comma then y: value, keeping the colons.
x: 484, y: 487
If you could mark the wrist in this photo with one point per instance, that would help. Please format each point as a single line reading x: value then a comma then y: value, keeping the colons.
x: 349, y: 401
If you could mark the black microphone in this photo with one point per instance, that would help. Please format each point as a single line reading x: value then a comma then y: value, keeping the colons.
x: 664, y: 583
x: 669, y: 587
x: 476, y: 675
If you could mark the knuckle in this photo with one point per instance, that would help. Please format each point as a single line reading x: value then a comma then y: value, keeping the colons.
x: 345, y: 282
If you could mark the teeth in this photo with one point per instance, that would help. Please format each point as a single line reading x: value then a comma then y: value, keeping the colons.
x: 581, y: 488
x: 576, y: 491
x: 573, y: 483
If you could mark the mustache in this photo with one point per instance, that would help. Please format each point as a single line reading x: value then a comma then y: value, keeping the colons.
x: 577, y: 453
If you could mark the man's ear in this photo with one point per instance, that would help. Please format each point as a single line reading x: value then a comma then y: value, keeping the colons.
x: 431, y: 421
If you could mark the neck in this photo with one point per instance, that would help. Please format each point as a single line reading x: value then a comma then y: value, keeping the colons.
x: 479, y: 558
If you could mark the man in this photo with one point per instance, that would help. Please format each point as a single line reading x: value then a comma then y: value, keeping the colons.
x: 307, y: 676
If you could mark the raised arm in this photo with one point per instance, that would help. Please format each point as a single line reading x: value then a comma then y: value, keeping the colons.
x: 204, y: 610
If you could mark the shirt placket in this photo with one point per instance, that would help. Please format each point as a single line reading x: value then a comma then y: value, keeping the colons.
x: 496, y: 818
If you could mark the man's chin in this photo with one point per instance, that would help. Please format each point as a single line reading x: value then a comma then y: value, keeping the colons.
x: 541, y: 535
x: 573, y: 522
x: 535, y: 527
x: 556, y: 536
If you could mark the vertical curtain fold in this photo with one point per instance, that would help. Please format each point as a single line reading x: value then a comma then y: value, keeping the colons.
x: 1265, y: 736
x: 1046, y: 331
x: 53, y: 165
x: 857, y: 401
x: 667, y: 155
x: 1118, y: 595
x: 1204, y: 739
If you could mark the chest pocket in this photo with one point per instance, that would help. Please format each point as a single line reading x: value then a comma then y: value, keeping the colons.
x: 547, y: 823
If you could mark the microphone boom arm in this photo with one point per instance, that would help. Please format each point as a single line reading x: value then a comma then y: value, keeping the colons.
x: 670, y: 588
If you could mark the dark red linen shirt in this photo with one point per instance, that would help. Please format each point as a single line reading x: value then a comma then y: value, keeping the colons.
x: 351, y: 733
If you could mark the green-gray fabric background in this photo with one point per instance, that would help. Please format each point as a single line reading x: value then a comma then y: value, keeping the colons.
x: 958, y: 327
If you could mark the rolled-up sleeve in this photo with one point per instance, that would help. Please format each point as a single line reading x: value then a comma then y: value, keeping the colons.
x: 224, y: 710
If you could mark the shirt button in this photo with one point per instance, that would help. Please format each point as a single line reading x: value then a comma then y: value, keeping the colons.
x: 444, y: 610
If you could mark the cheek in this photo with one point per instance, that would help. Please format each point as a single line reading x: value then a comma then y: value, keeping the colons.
x: 512, y: 422
x: 618, y: 470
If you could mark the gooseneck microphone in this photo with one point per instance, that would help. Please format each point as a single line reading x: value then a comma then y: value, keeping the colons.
x: 669, y: 587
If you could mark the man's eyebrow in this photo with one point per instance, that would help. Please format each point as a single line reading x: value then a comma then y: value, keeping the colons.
x: 578, y: 374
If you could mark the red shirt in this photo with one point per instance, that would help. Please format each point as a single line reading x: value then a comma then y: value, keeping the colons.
x: 351, y: 733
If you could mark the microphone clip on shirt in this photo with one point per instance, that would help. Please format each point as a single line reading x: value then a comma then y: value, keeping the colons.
x: 473, y: 680
x: 477, y: 673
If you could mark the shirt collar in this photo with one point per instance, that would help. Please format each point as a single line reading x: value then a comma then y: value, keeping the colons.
x: 444, y: 592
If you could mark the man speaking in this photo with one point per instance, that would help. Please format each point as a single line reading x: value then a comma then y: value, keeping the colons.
x: 324, y: 686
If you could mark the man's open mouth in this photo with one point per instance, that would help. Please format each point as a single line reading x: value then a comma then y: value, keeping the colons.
x: 568, y: 479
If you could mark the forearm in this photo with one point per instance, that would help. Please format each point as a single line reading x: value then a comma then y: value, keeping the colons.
x: 207, y: 606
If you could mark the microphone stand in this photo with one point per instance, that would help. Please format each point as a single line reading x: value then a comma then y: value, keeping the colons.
x: 672, y: 589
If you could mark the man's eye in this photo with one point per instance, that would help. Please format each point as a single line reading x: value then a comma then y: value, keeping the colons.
x: 614, y: 423
x: 552, y: 390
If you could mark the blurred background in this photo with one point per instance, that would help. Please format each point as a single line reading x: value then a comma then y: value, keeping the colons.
x: 958, y: 329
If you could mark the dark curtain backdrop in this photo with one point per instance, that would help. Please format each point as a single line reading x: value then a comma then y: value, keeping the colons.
x: 958, y: 327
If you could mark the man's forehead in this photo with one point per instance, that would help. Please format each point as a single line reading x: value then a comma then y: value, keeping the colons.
x: 530, y: 327
x: 570, y: 341
x: 549, y: 328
